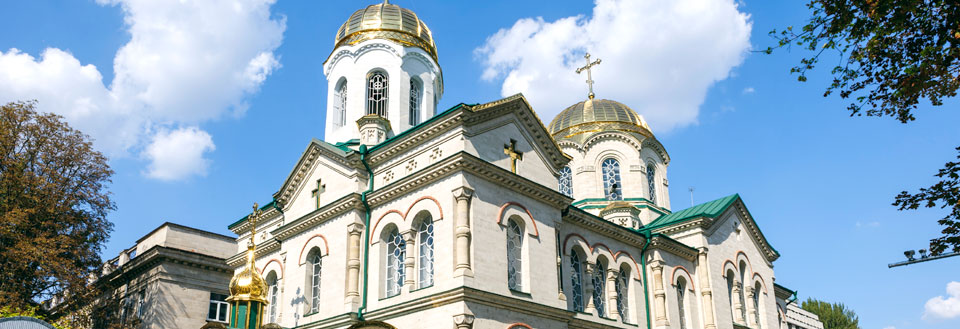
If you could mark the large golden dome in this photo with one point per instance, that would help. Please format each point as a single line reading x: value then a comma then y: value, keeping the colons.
x: 594, y: 115
x: 387, y: 21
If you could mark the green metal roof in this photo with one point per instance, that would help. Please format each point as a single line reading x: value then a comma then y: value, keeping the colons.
x: 708, y: 209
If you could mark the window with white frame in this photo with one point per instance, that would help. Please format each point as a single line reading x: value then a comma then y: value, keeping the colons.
x: 514, y: 255
x: 395, y: 256
x: 599, y: 288
x: 416, y: 96
x: 218, y: 307
x: 425, y: 235
x: 316, y: 270
x: 566, y: 181
x: 340, y: 104
x: 611, y: 179
x: 576, y: 280
x: 272, y: 292
x: 623, y: 294
x: 651, y: 182
x: 681, y: 302
x: 756, y: 304
x: 377, y: 94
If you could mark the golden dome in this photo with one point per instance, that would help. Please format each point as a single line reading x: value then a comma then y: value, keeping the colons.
x: 595, y: 115
x: 248, y: 285
x: 387, y: 21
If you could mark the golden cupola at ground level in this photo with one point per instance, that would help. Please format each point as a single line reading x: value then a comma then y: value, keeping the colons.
x: 387, y: 21
x: 248, y: 290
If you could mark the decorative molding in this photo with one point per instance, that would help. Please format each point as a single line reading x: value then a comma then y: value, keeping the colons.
x: 347, y: 203
x: 674, y: 247
x: 263, y: 249
x: 535, y: 232
x: 403, y: 215
x: 326, y: 247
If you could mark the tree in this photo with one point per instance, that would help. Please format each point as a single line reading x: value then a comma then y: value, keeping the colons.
x: 893, y: 54
x: 53, y: 207
x: 833, y: 315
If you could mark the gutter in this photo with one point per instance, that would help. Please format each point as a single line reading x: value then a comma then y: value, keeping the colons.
x: 366, y: 227
x: 643, y: 265
x: 795, y: 296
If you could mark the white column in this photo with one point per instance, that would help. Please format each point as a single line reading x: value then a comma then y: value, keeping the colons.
x: 462, y: 222
x: 751, y: 311
x: 352, y: 295
x: 409, y: 237
x: 737, y: 307
x: 706, y: 292
x: 588, y: 286
x: 612, y: 312
x: 660, y: 295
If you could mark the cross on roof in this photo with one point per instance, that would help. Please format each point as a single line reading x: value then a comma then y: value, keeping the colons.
x: 511, y: 150
x: 589, y: 74
x: 316, y: 192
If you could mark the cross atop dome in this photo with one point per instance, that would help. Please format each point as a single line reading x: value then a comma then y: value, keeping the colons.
x: 589, y: 75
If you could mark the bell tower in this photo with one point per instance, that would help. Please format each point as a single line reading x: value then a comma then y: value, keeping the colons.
x: 384, y: 64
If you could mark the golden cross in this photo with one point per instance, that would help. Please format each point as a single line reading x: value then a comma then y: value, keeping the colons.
x: 511, y: 150
x: 589, y: 74
x: 254, y: 216
x: 316, y: 192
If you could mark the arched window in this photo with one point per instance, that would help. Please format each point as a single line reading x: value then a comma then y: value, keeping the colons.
x: 340, y: 104
x: 514, y: 255
x: 756, y: 304
x: 416, y: 95
x: 730, y: 283
x: 599, y: 288
x: 425, y: 235
x: 566, y: 181
x: 377, y: 94
x: 316, y: 266
x: 743, y: 289
x: 395, y: 255
x: 623, y: 294
x: 272, y: 292
x: 681, y: 303
x: 651, y: 182
x: 611, y: 179
x: 576, y: 278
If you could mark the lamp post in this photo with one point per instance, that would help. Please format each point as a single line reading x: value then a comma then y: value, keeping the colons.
x: 924, y: 257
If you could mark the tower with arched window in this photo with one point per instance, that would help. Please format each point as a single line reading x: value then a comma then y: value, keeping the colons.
x: 385, y: 65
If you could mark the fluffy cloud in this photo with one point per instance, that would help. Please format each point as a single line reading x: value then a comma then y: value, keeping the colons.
x: 187, y: 62
x: 938, y: 308
x: 659, y: 57
x: 178, y: 154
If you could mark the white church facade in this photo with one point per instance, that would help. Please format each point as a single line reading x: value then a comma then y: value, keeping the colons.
x: 481, y: 216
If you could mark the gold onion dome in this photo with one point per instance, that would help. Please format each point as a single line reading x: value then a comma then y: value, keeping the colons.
x: 597, y: 115
x: 390, y: 22
x: 248, y: 285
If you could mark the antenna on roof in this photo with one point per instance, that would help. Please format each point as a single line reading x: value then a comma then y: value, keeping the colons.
x: 691, y: 195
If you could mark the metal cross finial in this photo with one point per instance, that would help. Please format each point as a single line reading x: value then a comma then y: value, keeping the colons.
x: 254, y: 216
x: 511, y: 150
x: 589, y: 73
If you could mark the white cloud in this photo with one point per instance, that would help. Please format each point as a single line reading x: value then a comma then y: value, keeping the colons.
x: 659, y: 57
x: 749, y: 90
x: 187, y: 62
x: 178, y: 154
x: 944, y: 308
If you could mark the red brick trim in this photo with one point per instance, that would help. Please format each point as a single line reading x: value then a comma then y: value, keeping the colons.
x: 326, y: 247
x: 536, y: 232
x: 268, y: 264
x: 403, y: 215
x: 631, y: 259
x: 673, y: 276
x: 756, y: 277
x: 575, y: 235
x: 519, y: 325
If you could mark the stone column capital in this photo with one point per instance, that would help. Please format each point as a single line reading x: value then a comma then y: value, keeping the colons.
x: 355, y: 228
x: 464, y: 321
x: 408, y: 236
x: 462, y: 193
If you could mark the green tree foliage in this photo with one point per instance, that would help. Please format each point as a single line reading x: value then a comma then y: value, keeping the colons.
x: 53, y: 207
x: 893, y: 54
x: 833, y: 315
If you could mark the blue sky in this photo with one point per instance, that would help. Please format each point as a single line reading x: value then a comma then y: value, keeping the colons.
x: 819, y: 182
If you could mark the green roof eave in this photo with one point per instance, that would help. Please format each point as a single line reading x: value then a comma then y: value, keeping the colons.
x: 707, y: 209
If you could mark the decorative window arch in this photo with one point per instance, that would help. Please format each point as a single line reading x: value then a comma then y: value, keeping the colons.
x: 313, y: 278
x: 622, y: 286
x: 652, y: 181
x: 425, y: 244
x: 566, y: 181
x: 576, y: 280
x: 681, y: 301
x: 731, y: 277
x: 377, y: 93
x: 340, y: 103
x: 394, y: 262
x: 612, y: 187
x: 273, y: 291
x: 514, y: 254
x: 599, y: 289
x: 416, y: 100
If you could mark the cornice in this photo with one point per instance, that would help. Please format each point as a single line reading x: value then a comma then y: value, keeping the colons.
x: 349, y: 202
x: 243, y: 228
x: 674, y: 247
x: 603, y: 227
x: 518, y: 105
x: 408, y: 141
x: 306, y: 162
x: 264, y: 248
x: 655, y: 144
x: 159, y: 254
x: 758, y: 238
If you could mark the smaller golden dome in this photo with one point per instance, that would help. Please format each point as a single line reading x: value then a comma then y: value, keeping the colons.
x: 594, y: 115
x: 248, y: 285
x: 390, y: 22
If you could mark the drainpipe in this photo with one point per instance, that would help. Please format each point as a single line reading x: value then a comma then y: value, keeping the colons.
x: 366, y: 228
x: 795, y: 296
x: 643, y: 265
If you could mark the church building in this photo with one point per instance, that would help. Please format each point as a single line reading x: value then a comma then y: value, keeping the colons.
x: 481, y: 216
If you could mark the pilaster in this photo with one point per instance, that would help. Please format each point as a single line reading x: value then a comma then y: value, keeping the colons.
x: 462, y: 195
x: 352, y: 292
x: 611, y: 276
x: 660, y: 295
x: 706, y: 291
x: 409, y: 241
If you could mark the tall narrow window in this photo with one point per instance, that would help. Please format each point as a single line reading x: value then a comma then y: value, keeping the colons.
x: 141, y: 304
x: 340, y: 104
x: 576, y: 278
x: 730, y: 283
x: 316, y: 267
x: 377, y: 94
x: 272, y: 291
x: 651, y: 182
x: 681, y: 305
x: 611, y: 179
x: 743, y: 289
x: 514, y: 255
x: 623, y: 291
x: 426, y: 252
x: 395, y: 255
x: 756, y: 304
x: 598, y: 289
x: 566, y: 181
x: 416, y: 93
